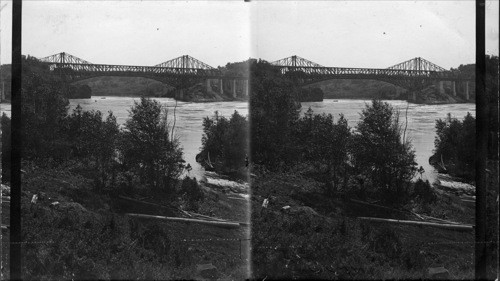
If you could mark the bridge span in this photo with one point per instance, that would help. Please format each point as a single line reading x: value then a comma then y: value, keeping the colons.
x: 412, y: 75
x: 181, y: 72
x: 185, y: 71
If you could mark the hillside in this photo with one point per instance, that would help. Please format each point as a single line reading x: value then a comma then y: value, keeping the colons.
x: 359, y: 89
x: 370, y: 89
x: 125, y: 86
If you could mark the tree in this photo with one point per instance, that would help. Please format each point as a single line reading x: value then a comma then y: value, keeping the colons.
x: 224, y: 142
x: 380, y: 152
x: 147, y: 148
x: 454, y: 143
x: 323, y: 143
x: 93, y: 140
x: 44, y: 109
x: 6, y: 148
x: 274, y: 107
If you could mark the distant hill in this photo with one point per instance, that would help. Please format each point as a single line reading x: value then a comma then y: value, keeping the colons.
x: 358, y: 89
x: 125, y: 86
x: 374, y: 89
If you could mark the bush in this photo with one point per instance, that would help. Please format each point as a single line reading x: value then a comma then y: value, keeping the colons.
x: 192, y: 193
x: 422, y: 190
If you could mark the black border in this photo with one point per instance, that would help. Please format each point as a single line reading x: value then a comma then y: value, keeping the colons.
x: 480, y: 256
x: 16, y: 101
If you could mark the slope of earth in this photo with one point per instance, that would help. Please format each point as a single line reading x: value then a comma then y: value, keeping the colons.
x: 125, y: 86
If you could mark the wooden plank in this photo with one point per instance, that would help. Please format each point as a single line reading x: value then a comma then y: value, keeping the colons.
x: 460, y: 227
x: 185, y: 220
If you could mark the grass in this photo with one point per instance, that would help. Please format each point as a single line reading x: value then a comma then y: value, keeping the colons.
x: 89, y: 238
x: 323, y: 239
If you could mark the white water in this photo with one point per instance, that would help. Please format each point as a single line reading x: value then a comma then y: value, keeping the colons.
x: 5, y: 108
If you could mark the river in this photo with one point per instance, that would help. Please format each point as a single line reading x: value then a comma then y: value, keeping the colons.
x: 421, y: 122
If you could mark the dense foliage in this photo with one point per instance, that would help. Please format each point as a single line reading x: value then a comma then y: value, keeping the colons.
x: 455, y: 143
x: 147, y: 148
x: 274, y: 107
x: 224, y: 142
x: 380, y: 153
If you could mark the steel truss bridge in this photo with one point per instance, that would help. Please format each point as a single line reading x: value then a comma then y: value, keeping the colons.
x: 185, y: 71
x: 179, y: 72
x: 412, y: 74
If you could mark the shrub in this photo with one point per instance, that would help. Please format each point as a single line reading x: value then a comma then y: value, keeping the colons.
x: 423, y: 191
x: 192, y: 193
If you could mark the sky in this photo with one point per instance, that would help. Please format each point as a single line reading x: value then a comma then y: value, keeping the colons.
x: 375, y: 34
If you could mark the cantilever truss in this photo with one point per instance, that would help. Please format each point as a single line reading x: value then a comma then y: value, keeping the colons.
x: 295, y: 61
x: 64, y: 58
x: 418, y: 64
x: 185, y: 62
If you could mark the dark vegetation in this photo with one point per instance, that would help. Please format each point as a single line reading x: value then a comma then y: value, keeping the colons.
x: 455, y: 145
x: 125, y: 86
x: 308, y: 167
x: 77, y: 164
x: 225, y: 144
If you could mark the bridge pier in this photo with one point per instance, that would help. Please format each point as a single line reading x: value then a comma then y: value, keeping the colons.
x: 221, y: 87
x: 467, y: 90
x: 441, y: 87
x: 234, y: 88
x: 208, y: 85
x: 454, y: 87
x: 245, y: 88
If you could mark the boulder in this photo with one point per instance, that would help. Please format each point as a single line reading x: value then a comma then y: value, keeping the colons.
x: 208, y: 271
x: 438, y: 273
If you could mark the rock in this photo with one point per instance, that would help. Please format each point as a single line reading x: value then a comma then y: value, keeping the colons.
x: 303, y: 210
x: 438, y: 273
x: 72, y: 206
x: 208, y: 271
x: 5, y: 190
x: 54, y: 204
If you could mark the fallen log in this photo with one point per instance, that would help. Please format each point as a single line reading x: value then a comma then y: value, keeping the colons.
x: 441, y: 220
x: 184, y: 220
x: 236, y: 198
x: 460, y: 227
x: 206, y: 217
x: 378, y: 206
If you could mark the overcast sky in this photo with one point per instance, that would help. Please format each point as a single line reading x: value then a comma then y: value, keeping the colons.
x: 332, y: 33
